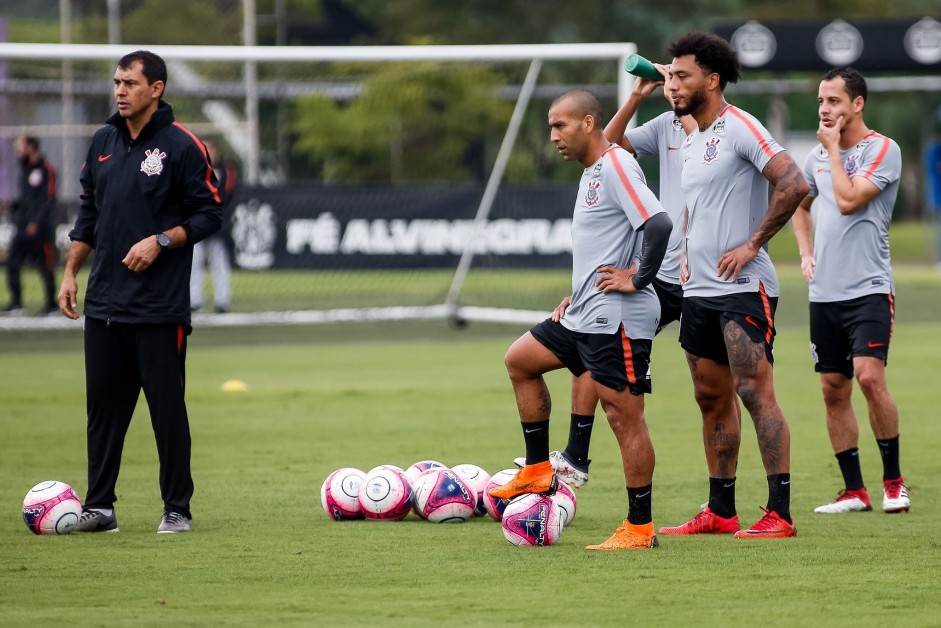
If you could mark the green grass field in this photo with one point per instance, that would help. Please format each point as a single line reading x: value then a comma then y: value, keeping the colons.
x: 263, y: 552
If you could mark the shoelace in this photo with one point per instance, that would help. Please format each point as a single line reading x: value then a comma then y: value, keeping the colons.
x: 895, y: 490
x: 172, y: 517
x: 768, y: 522
x: 90, y: 514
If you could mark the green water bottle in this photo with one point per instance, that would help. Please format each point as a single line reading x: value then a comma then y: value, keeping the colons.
x: 639, y: 66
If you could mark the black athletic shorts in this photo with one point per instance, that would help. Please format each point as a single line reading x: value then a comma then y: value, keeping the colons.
x: 842, y: 330
x: 671, y: 301
x: 705, y: 318
x: 614, y: 360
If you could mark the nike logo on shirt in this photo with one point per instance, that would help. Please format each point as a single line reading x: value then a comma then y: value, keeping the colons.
x: 104, y: 157
x: 873, y: 345
x: 673, y: 147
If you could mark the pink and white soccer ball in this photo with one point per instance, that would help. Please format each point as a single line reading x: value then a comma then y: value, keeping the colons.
x: 421, y: 466
x: 564, y: 498
x: 339, y: 494
x: 532, y: 520
x: 477, y: 479
x: 51, y: 508
x: 441, y: 496
x: 385, y: 494
x: 494, y: 506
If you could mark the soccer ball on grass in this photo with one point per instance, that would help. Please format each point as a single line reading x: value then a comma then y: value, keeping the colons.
x: 51, y: 508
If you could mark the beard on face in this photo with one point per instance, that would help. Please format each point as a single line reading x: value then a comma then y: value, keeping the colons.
x: 695, y: 101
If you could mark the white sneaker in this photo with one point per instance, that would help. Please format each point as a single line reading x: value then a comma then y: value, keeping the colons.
x: 895, y: 496
x: 847, y: 501
x: 565, y: 470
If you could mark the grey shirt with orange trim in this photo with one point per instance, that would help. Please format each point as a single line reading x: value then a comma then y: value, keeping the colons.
x: 852, y: 250
x: 613, y: 204
x: 727, y: 198
x: 663, y: 137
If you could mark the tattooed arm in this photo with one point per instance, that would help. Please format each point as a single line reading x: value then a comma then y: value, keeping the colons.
x: 790, y: 188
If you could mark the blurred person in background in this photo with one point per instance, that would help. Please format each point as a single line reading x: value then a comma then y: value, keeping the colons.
x: 34, y: 239
x: 214, y: 250
x: 933, y: 185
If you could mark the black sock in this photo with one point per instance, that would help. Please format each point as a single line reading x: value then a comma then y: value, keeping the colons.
x: 639, y: 505
x: 722, y: 496
x: 579, y: 439
x: 779, y: 495
x: 536, y: 436
x: 849, y: 467
x: 889, y: 448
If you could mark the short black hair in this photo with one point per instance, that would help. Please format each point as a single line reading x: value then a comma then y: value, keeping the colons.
x: 152, y: 65
x: 712, y: 54
x: 584, y: 104
x: 854, y: 82
x: 31, y: 140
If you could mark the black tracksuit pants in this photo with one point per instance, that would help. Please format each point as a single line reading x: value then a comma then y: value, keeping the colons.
x: 120, y: 360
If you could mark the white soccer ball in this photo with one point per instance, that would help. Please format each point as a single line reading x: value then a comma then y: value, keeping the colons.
x: 385, y: 494
x: 494, y: 506
x: 420, y: 467
x: 564, y: 498
x: 476, y: 478
x: 441, y: 496
x: 532, y: 520
x: 51, y: 508
x: 339, y: 494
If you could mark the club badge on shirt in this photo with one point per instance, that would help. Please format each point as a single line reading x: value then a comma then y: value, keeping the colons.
x: 592, y: 197
x: 153, y: 163
x: 712, y: 150
x: 851, y: 165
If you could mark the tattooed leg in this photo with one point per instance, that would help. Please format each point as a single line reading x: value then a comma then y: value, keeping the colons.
x: 754, y: 383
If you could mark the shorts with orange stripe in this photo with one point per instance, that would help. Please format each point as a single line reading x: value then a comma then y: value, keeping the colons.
x: 614, y: 360
x: 705, y: 318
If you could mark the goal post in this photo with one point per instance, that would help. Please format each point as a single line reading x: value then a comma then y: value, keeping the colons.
x: 311, y: 249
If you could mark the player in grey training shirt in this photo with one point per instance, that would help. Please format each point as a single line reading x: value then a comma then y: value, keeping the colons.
x: 730, y: 286
x: 661, y: 137
x: 604, y: 331
x: 854, y: 179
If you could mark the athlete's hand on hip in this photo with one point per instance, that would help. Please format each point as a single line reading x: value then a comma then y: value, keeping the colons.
x: 732, y: 262
x: 142, y: 254
x: 616, y: 279
x: 559, y: 311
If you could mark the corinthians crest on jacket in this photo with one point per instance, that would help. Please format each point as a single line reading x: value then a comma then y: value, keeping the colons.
x: 153, y: 163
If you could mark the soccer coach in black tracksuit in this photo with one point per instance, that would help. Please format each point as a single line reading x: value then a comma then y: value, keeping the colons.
x: 148, y: 194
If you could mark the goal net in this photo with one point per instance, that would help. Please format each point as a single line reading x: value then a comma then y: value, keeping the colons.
x: 373, y: 183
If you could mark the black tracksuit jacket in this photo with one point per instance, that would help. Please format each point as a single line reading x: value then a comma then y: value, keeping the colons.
x: 132, y: 189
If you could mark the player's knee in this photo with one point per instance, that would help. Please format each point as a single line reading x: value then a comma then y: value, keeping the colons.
x: 871, y: 384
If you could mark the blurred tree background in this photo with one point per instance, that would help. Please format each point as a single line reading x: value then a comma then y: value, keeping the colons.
x: 428, y: 122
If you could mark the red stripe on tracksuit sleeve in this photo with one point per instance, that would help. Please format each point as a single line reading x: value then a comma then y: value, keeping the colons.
x: 622, y: 175
x: 202, y: 149
x: 762, y: 141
